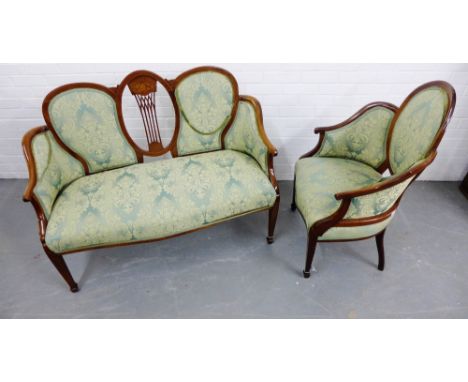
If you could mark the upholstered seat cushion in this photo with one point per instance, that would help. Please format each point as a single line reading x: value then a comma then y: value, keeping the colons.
x: 156, y: 200
x: 318, y: 179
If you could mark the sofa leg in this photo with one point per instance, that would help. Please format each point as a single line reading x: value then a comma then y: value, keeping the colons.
x: 61, y: 266
x: 272, y: 216
x: 379, y: 238
x: 311, y: 245
x: 293, y: 203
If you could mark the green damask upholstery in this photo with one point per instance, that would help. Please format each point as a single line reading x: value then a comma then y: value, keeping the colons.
x: 157, y: 199
x: 319, y: 179
x: 191, y: 142
x: 416, y: 128
x: 377, y: 202
x: 85, y: 119
x: 364, y: 139
x: 55, y: 169
x: 244, y: 136
x: 205, y: 100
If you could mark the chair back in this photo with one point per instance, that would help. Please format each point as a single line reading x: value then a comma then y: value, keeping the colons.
x: 419, y: 124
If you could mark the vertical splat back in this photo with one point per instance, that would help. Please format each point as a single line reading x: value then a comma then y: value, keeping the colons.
x: 144, y: 90
x: 204, y: 101
x: 144, y: 86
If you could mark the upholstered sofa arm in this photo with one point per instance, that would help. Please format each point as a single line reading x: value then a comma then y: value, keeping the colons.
x: 247, y: 133
x: 50, y: 169
x: 361, y: 137
x: 380, y: 198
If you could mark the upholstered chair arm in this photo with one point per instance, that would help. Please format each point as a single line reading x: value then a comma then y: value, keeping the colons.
x: 247, y: 134
x: 381, y: 197
x: 30, y: 163
x: 361, y: 137
x: 50, y: 169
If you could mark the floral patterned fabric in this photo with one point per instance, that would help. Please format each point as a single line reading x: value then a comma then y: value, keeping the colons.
x: 376, y: 203
x: 86, y: 120
x: 205, y: 100
x: 364, y: 139
x: 319, y: 179
x: 55, y: 169
x: 416, y: 128
x: 191, y: 142
x: 157, y: 199
x: 244, y: 136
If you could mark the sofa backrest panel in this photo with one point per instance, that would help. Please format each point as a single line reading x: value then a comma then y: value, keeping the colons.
x: 86, y: 121
x: 416, y: 127
x: 207, y: 101
x: 55, y: 168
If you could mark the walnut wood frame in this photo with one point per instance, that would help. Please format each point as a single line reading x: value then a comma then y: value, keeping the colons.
x: 337, y: 219
x: 116, y: 93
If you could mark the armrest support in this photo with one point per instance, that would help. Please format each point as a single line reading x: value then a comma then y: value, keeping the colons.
x: 29, y: 157
x: 50, y: 168
x: 361, y: 137
x: 247, y: 134
x: 379, y: 201
x: 392, y: 181
x: 356, y: 115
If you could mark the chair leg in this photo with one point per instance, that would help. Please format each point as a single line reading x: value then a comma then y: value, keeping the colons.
x: 293, y: 203
x: 379, y: 238
x: 311, y: 245
x: 61, y: 266
x: 272, y: 216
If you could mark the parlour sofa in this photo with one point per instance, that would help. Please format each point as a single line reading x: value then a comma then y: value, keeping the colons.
x: 88, y: 181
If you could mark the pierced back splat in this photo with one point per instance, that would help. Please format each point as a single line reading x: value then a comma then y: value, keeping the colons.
x: 143, y: 85
x: 144, y: 90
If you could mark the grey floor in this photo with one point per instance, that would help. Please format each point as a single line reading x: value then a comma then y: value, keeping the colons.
x: 229, y: 271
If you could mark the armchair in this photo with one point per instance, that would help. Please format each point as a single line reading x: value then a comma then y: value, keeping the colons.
x: 339, y: 186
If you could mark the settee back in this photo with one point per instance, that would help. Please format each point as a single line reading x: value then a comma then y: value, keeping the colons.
x: 209, y: 114
x: 84, y: 120
x: 207, y: 99
x: 86, y: 132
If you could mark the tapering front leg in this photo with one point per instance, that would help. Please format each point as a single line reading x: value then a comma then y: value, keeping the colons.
x: 61, y: 266
x: 272, y: 216
x: 311, y: 245
x: 293, y: 203
x: 379, y: 238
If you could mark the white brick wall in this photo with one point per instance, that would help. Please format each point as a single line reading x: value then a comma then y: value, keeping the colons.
x: 296, y: 98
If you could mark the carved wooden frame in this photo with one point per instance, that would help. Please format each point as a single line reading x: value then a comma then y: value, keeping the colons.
x: 146, y: 75
x: 116, y: 93
x: 337, y: 218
